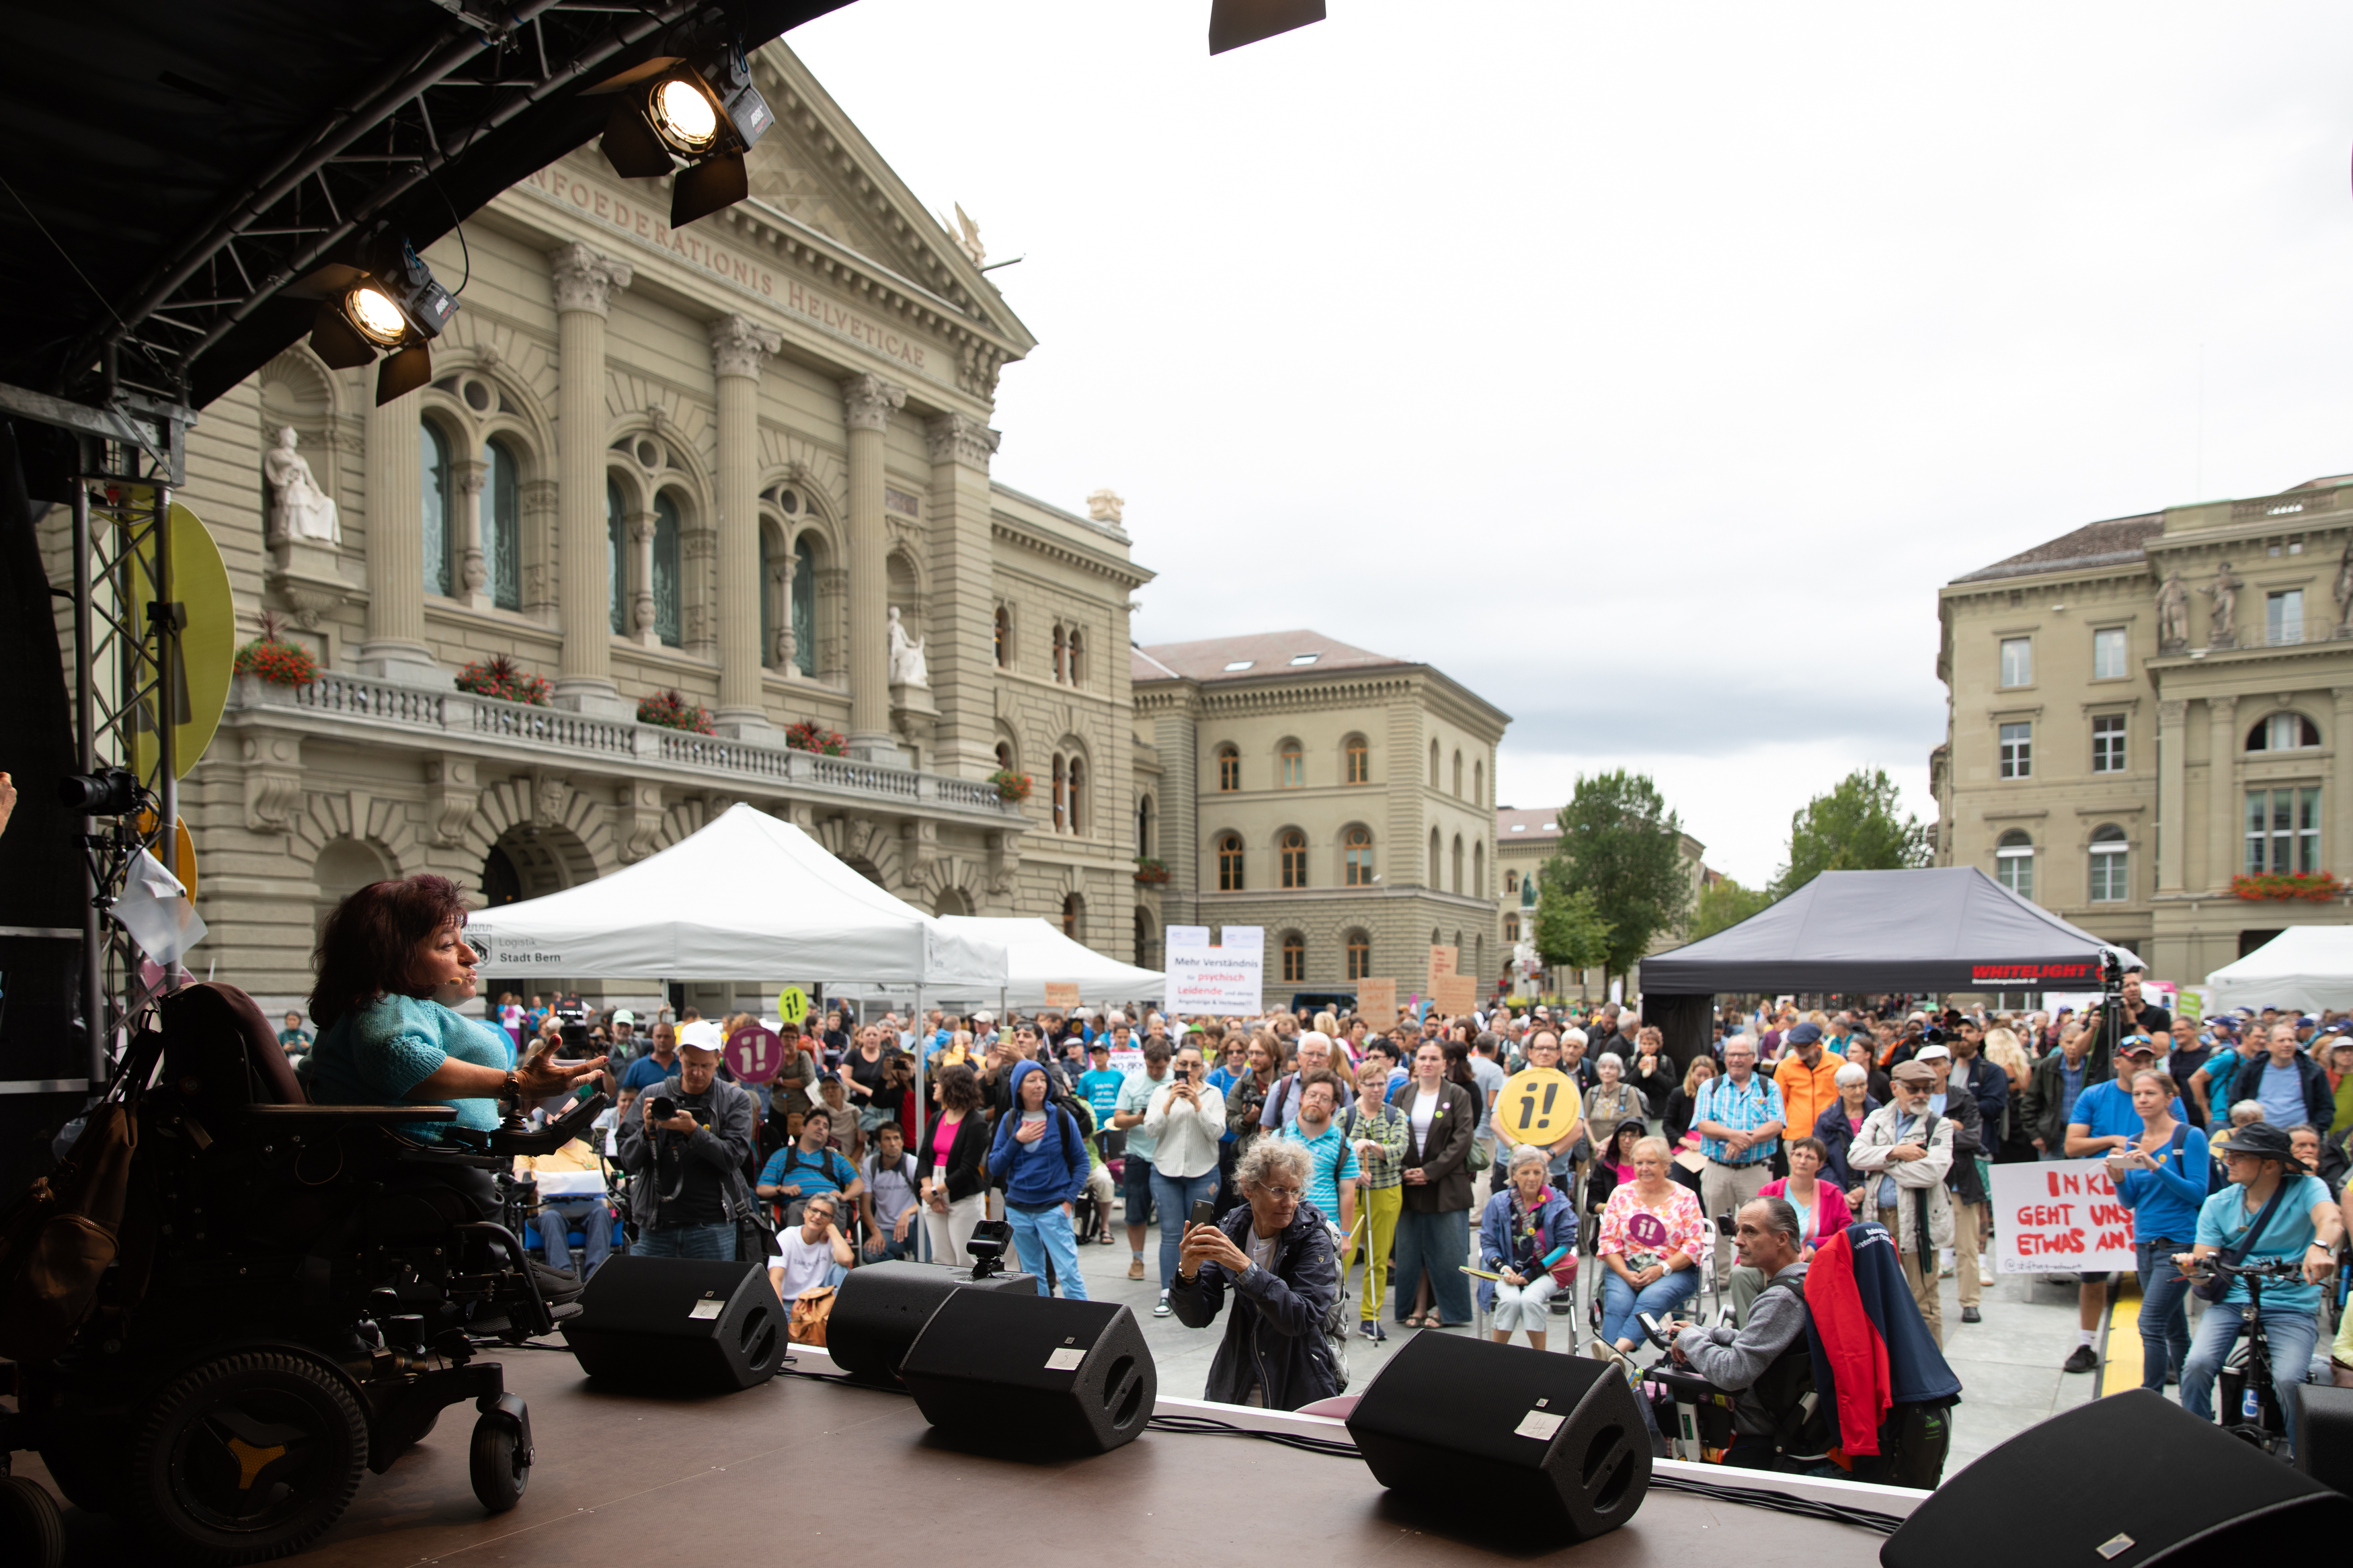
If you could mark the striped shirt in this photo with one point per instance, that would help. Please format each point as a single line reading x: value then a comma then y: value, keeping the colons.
x: 1743, y: 1111
x: 1330, y: 1161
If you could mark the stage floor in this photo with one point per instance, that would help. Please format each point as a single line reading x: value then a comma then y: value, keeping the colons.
x: 796, y: 1470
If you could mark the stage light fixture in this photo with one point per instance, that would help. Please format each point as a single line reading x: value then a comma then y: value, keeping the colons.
x: 385, y: 301
x: 709, y: 115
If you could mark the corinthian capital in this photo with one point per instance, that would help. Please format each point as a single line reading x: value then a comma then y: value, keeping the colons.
x: 740, y: 346
x: 954, y: 438
x: 584, y: 280
x: 869, y: 401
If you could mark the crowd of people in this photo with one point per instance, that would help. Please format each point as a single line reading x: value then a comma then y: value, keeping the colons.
x: 1270, y: 1154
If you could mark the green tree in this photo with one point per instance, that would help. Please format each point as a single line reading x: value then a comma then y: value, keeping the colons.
x: 1619, y: 843
x: 1856, y: 827
x: 1724, y: 904
x: 1569, y: 930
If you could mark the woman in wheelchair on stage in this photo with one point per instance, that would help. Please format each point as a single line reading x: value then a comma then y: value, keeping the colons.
x: 393, y: 967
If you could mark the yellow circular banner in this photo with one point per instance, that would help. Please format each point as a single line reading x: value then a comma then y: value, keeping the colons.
x: 1537, y: 1106
x: 792, y: 1004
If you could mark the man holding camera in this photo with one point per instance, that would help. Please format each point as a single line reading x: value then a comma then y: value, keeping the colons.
x: 686, y: 1147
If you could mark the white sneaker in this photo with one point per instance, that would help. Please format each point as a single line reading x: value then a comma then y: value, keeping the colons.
x: 1985, y: 1274
x: 1161, y: 1310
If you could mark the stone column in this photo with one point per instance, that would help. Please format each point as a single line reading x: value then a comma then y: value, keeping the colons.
x: 394, y: 647
x: 585, y: 284
x: 2337, y: 851
x: 960, y: 652
x: 2222, y: 806
x: 780, y: 584
x: 2172, y: 793
x: 640, y: 618
x: 473, y: 569
x: 739, y: 347
x: 867, y: 402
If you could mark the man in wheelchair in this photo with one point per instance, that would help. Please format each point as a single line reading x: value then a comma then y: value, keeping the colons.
x: 1758, y: 1361
x: 269, y: 1291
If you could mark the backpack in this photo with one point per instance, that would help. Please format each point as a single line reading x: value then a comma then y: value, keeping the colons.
x: 1802, y: 1423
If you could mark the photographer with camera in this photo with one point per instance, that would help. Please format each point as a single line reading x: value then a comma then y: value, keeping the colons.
x: 686, y: 1148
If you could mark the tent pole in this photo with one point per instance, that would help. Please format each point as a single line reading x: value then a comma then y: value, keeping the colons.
x: 921, y: 1119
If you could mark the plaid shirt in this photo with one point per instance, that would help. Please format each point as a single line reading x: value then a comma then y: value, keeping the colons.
x: 1386, y: 1168
x: 1721, y: 1102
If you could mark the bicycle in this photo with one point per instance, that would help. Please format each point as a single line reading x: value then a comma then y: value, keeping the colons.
x: 2245, y: 1388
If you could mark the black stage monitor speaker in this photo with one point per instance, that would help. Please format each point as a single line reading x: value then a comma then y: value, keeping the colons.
x: 1039, y: 1376
x: 2324, y: 1434
x: 2119, y: 1483
x: 880, y: 1310
x: 1551, y: 1445
x: 678, y: 1325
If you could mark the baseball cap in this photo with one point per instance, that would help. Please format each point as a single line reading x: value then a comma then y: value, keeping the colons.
x: 2306, y: 1022
x: 1933, y: 1053
x: 703, y: 1034
x: 2132, y: 1044
x: 1804, y: 1034
x: 625, y: 1016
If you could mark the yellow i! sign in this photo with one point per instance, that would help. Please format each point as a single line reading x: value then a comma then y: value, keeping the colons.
x: 792, y: 1004
x: 1538, y: 1106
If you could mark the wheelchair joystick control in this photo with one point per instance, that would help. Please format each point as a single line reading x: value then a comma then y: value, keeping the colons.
x: 405, y: 1332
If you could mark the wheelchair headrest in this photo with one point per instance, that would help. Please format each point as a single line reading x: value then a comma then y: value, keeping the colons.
x: 218, y: 1048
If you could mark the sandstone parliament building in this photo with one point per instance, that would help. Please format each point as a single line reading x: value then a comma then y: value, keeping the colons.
x: 2148, y: 709
x: 717, y: 461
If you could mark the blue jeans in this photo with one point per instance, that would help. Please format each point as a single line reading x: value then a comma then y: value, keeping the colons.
x: 2164, y: 1315
x: 1044, y: 1234
x: 716, y: 1242
x: 2291, y: 1335
x: 1438, y: 1243
x: 1622, y: 1304
x: 1174, y: 1196
x: 594, y: 1218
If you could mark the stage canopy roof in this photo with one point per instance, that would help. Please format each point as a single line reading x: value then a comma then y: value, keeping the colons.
x: 172, y: 166
x: 2303, y: 969
x: 746, y: 898
x: 1037, y: 954
x: 1948, y: 927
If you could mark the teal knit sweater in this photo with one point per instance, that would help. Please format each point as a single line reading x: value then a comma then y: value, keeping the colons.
x: 375, y: 1054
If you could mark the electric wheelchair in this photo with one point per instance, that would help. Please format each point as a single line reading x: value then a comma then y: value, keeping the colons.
x: 297, y: 1293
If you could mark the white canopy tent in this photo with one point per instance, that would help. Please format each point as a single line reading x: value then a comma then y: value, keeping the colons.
x: 744, y: 898
x: 2303, y: 969
x: 1037, y: 954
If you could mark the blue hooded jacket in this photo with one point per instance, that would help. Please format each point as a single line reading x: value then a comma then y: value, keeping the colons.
x: 1053, y: 1170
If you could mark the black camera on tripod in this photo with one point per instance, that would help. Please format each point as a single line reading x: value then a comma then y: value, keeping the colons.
x: 109, y: 792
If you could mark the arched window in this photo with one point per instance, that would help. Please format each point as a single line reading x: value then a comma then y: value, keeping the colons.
x: 1293, y: 765
x: 2283, y: 733
x: 667, y: 577
x: 1359, y: 767
x: 804, y: 606
x: 1229, y: 769
x: 1078, y: 658
x: 2111, y: 862
x: 1061, y: 656
x: 1004, y: 639
x: 1074, y: 917
x: 2013, y: 863
x: 1143, y: 827
x: 1005, y: 755
x: 1229, y: 863
x: 1433, y: 764
x: 503, y: 525
x: 1357, y: 856
x: 1479, y: 870
x: 1511, y: 927
x: 1458, y: 776
x: 1511, y: 881
x: 1292, y: 847
x: 616, y: 558
x: 1061, y: 795
x: 1479, y: 783
x: 437, y: 499
x: 1360, y: 955
x: 1078, y: 795
x: 1458, y: 862
x: 1430, y: 874
x: 1294, y: 957
x: 1144, y: 954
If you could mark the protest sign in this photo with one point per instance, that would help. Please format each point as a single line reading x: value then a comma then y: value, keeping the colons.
x: 1537, y: 1106
x: 757, y: 1053
x: 1441, y: 964
x: 1228, y: 978
x: 1377, y: 1003
x: 1454, y: 995
x: 792, y: 1004
x: 1061, y: 995
x: 2059, y: 1217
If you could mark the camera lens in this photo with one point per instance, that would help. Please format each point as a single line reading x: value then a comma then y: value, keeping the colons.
x: 112, y: 792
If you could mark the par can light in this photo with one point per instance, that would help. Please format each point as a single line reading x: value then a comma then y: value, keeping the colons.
x: 669, y: 110
x: 683, y: 115
x: 384, y: 300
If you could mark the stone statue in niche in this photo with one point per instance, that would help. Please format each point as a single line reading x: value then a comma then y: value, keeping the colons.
x: 907, y: 665
x: 2225, y: 595
x: 300, y: 510
x: 2173, y: 615
x: 2345, y: 592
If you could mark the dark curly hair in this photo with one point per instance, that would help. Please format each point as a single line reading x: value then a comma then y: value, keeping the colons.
x: 368, y: 947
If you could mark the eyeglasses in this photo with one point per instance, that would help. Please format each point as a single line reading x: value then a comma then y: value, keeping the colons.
x: 1281, y: 1194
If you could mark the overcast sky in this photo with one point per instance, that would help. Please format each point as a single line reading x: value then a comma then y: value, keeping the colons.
x: 1645, y: 369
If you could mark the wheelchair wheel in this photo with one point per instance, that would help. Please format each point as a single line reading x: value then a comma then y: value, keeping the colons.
x: 246, y: 1458
x: 29, y: 1525
x: 495, y: 1465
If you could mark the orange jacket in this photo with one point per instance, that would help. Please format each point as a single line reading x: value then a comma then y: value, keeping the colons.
x: 1807, y: 1092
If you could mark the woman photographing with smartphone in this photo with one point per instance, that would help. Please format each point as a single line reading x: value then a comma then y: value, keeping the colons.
x: 2161, y: 1176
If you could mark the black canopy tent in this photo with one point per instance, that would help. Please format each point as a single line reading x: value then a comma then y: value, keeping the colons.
x: 1945, y: 927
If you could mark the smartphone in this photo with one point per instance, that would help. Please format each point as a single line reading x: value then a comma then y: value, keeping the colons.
x: 1205, y: 1213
